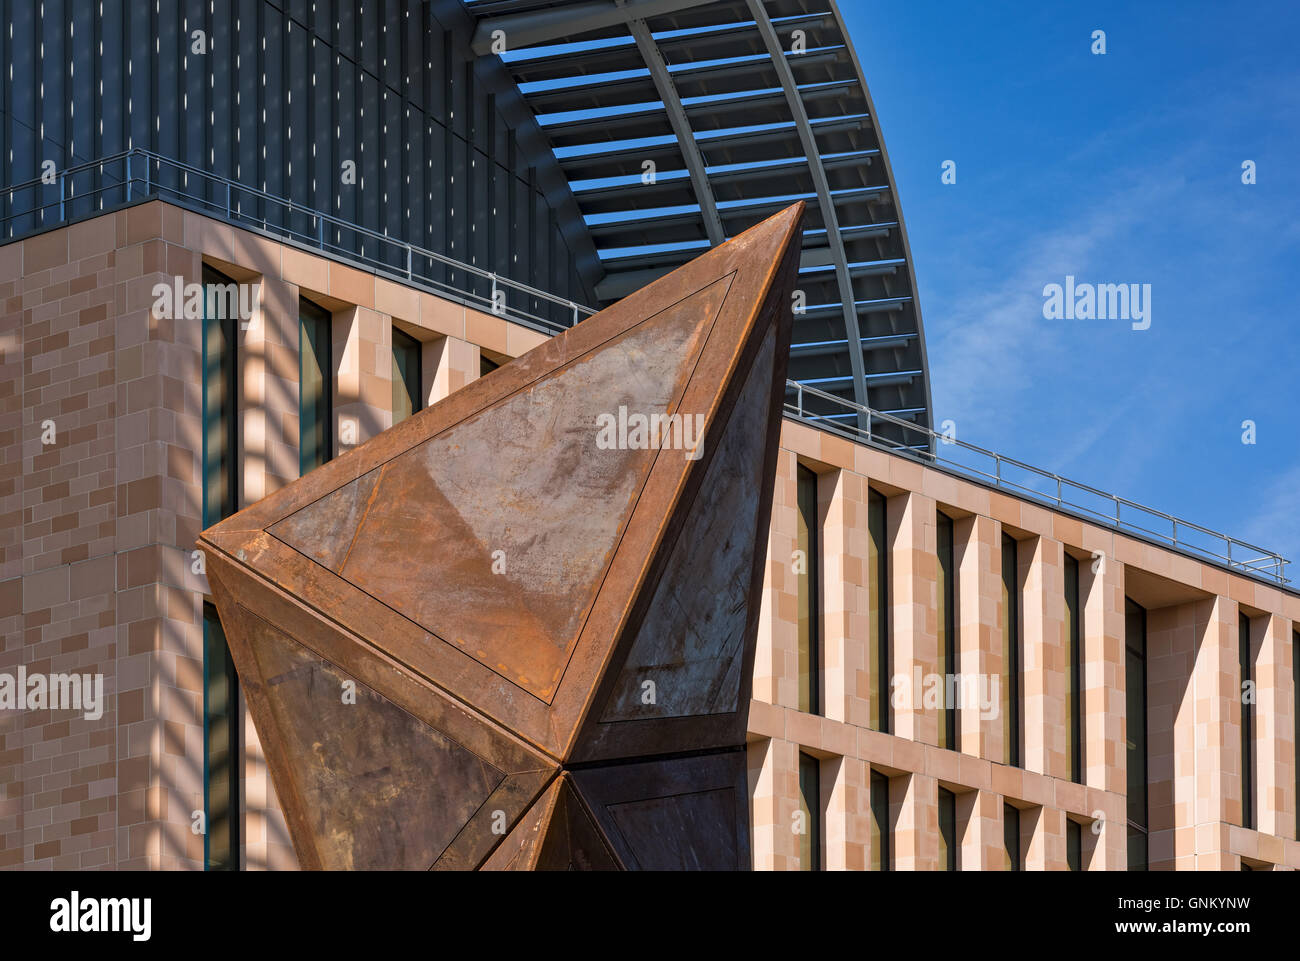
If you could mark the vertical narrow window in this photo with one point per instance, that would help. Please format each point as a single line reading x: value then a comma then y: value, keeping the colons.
x: 1247, y: 723
x: 1073, y: 845
x: 880, y: 847
x: 315, y: 386
x: 947, y: 622
x: 1295, y: 716
x: 1010, y: 652
x: 406, y: 375
x: 486, y: 364
x: 1011, y: 837
x: 1135, y: 726
x: 220, y: 500
x: 1073, y: 673
x: 220, y: 398
x: 810, y: 804
x: 947, y: 830
x: 808, y: 576
x: 878, y: 643
x: 220, y: 748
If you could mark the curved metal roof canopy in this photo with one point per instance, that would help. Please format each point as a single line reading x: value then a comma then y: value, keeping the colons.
x: 742, y: 106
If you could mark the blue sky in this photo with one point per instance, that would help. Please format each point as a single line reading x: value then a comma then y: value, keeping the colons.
x: 1122, y: 168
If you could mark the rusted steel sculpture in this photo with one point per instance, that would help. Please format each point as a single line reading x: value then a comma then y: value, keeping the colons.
x: 517, y: 629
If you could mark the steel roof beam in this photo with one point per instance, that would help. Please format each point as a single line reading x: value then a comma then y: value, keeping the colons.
x: 902, y: 232
x: 736, y: 40
x: 827, y: 205
x: 536, y: 27
x: 885, y: 305
x: 831, y: 347
x: 681, y: 127
x: 887, y: 379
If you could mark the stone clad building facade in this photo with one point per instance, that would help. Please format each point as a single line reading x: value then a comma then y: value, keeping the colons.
x: 1203, y: 810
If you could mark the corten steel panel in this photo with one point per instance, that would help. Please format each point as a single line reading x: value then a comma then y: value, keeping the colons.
x: 485, y: 639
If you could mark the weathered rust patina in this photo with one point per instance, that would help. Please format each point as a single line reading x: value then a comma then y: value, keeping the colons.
x: 485, y: 640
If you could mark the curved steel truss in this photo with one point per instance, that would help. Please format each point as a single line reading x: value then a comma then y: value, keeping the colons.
x: 680, y: 123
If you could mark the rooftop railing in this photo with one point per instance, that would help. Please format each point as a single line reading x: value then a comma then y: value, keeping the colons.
x: 899, y: 436
x: 136, y: 175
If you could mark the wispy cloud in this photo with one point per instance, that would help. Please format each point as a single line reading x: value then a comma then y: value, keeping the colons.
x: 993, y: 346
x: 1273, y: 522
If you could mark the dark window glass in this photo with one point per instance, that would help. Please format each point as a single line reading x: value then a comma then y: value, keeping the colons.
x: 221, y: 325
x: 1135, y: 726
x: 1137, y: 849
x: 220, y: 399
x: 880, y: 838
x: 810, y: 842
x: 1247, y: 723
x: 486, y: 364
x: 315, y: 386
x: 1074, y: 845
x: 406, y: 376
x: 1010, y: 652
x: 947, y: 830
x: 1073, y: 672
x: 220, y: 748
x: 878, y: 643
x: 947, y: 621
x: 808, y: 578
x: 1011, y: 837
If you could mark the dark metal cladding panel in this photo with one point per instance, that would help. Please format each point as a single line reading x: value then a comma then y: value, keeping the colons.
x: 673, y: 814
x: 81, y: 94
x: 324, y: 163
x: 196, y: 68
x: 572, y: 841
x: 298, y: 115
x: 280, y: 99
x: 220, y: 97
x: 166, y: 48
x: 112, y: 75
